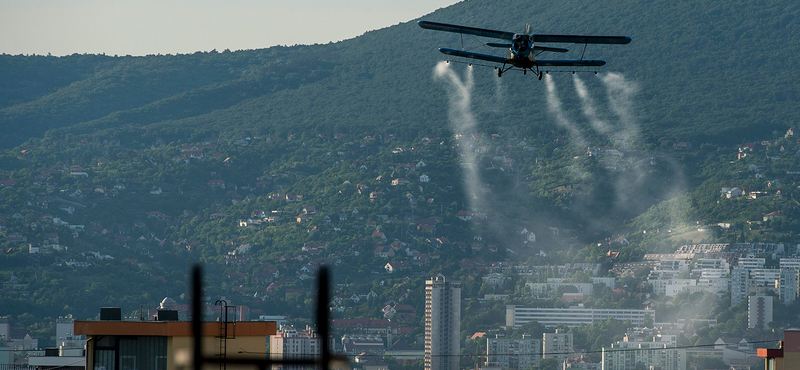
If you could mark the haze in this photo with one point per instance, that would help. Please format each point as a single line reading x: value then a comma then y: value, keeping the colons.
x: 117, y: 27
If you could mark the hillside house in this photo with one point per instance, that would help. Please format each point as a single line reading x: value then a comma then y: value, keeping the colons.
x: 242, y: 249
x: 9, y: 183
x: 379, y: 235
x: 216, y: 184
x: 294, y: 198
x: 734, y: 192
x: 395, y: 266
x: 400, y: 181
x: 383, y: 252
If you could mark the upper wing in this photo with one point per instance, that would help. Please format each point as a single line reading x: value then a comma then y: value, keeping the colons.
x: 464, y: 29
x: 570, y: 63
x: 467, y: 54
x: 578, y: 39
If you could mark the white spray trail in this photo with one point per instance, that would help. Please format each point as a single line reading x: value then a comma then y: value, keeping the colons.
x: 588, y: 106
x: 463, y: 124
x: 554, y: 106
x: 620, y: 98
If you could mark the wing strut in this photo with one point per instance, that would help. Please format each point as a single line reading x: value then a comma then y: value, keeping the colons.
x: 584, y: 50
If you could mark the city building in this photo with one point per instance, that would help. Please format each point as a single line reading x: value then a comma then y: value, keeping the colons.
x: 14, y: 340
x: 712, y: 263
x: 292, y: 344
x: 752, y: 262
x: 65, y: 333
x: 69, y: 353
x: 157, y: 345
x: 789, y: 286
x: 786, y: 356
x: 759, y: 311
x: 634, y: 353
x: 442, y: 323
x: 518, y: 354
x: 573, y: 316
x: 558, y: 345
x: 739, y: 283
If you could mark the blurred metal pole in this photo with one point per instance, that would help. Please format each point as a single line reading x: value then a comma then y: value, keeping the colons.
x: 197, y: 320
x: 322, y: 318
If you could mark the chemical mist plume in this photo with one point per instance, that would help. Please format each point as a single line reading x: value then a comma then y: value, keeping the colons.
x: 554, y: 106
x: 588, y: 105
x: 463, y: 124
x: 620, y: 97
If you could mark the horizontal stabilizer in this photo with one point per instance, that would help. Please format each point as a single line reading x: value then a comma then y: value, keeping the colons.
x: 467, y: 54
x: 578, y: 39
x: 555, y: 50
x: 570, y: 63
x: 436, y: 26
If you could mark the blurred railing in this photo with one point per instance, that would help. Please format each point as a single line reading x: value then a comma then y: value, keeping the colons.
x: 324, y: 361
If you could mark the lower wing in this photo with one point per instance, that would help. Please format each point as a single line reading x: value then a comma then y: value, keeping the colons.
x: 570, y: 63
x: 467, y: 54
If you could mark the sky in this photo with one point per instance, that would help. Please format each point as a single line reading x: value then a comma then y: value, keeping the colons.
x: 142, y: 27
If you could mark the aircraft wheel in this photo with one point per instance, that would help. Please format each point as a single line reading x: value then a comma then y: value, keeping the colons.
x: 499, y: 73
x: 540, y: 76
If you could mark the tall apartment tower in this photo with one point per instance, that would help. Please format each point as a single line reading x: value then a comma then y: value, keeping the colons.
x: 442, y: 323
x: 739, y: 281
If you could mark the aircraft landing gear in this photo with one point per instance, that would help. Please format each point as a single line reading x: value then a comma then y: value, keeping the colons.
x: 524, y: 71
x: 540, y: 76
x: 499, y: 73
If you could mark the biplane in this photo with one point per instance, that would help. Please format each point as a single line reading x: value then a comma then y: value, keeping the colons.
x: 525, y: 47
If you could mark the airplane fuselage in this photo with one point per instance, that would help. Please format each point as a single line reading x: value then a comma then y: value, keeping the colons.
x: 521, y: 51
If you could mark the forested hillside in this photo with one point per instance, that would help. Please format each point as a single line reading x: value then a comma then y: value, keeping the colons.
x: 117, y: 172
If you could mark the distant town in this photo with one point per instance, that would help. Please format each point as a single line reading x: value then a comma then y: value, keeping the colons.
x: 729, y: 271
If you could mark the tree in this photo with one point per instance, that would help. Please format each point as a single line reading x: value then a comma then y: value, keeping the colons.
x: 549, y: 363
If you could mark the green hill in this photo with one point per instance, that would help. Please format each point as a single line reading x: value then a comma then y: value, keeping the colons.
x: 142, y: 165
x: 706, y: 70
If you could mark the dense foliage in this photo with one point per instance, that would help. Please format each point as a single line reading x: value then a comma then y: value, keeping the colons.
x: 135, y: 167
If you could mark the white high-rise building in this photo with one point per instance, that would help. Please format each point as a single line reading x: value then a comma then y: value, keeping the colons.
x: 789, y: 284
x: 739, y: 283
x: 789, y: 288
x: 442, y: 323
